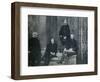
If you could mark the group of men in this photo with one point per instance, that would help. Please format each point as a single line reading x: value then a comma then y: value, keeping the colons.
x: 66, y: 38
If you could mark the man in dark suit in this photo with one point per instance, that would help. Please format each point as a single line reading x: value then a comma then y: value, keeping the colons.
x: 64, y: 32
x: 34, y: 55
x: 51, y: 51
x: 73, y: 44
x: 70, y: 49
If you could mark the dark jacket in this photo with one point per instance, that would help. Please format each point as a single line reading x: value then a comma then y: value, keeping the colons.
x: 50, y: 48
x: 64, y: 31
x: 71, y: 43
x: 35, y: 52
x: 34, y: 45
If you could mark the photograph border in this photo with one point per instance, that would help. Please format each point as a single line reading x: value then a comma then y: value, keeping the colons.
x: 15, y: 39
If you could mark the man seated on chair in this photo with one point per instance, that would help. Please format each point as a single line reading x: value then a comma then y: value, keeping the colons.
x: 51, y: 51
x: 70, y: 49
x: 73, y: 46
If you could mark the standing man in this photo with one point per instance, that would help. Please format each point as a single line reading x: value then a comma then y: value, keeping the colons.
x: 34, y: 55
x: 64, y: 32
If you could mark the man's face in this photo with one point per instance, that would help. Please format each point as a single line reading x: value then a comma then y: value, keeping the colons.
x: 65, y: 37
x: 52, y: 40
x: 34, y: 35
x: 72, y: 36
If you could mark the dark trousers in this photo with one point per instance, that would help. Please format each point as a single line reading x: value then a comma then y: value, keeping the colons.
x: 34, y: 59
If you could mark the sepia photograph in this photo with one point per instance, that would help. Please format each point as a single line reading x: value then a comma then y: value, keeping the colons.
x: 57, y: 40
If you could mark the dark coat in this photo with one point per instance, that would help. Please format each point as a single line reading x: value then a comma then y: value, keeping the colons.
x: 34, y: 45
x: 64, y: 31
x: 50, y: 48
x: 67, y: 43
x: 71, y: 43
x: 35, y: 51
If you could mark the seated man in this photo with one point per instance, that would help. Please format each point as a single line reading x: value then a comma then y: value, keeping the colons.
x: 73, y: 45
x: 51, y: 51
x: 69, y: 50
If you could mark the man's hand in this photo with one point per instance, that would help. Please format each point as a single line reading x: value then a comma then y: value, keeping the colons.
x: 65, y: 49
x: 70, y: 49
x: 65, y: 37
x: 52, y: 53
